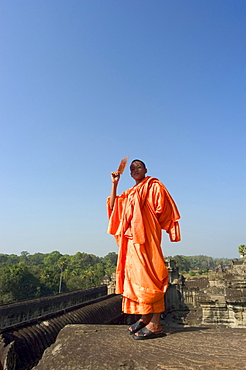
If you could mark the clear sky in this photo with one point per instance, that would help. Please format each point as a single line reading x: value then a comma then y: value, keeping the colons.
x: 84, y: 83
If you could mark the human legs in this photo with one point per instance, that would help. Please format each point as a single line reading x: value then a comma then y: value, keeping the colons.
x: 150, y: 314
x: 153, y: 323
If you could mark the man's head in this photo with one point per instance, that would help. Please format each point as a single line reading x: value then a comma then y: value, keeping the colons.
x: 138, y: 170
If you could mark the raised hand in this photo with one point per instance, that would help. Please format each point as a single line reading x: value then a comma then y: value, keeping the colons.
x: 115, y: 177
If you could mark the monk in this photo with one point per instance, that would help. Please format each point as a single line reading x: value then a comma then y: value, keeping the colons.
x: 136, y: 219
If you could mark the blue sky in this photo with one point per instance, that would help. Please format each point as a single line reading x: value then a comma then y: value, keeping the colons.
x: 84, y: 83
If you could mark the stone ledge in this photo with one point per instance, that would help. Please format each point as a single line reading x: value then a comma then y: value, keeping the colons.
x: 110, y: 347
x: 41, y: 308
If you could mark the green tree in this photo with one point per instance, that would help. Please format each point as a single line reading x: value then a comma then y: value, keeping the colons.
x: 192, y: 273
x: 17, y: 283
x: 99, y: 272
x: 3, y: 260
x: 49, y: 278
x: 13, y: 258
x: 24, y: 257
x: 52, y: 258
x: 242, y: 250
x: 74, y: 283
x: 182, y: 263
x: 111, y: 259
x: 36, y: 259
x: 110, y: 262
x: 62, y: 264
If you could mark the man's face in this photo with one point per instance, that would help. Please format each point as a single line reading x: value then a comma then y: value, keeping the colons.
x: 138, y: 171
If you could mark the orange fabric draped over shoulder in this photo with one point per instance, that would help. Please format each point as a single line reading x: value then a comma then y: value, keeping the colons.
x: 138, y: 216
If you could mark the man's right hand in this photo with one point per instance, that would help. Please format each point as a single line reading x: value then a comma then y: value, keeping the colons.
x: 115, y: 177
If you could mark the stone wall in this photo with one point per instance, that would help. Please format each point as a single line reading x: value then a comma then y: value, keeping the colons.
x: 176, y: 309
x: 21, y: 346
x: 218, y: 299
x: 224, y: 301
x: 26, y: 311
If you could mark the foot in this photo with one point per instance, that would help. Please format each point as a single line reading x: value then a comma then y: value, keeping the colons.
x: 155, y: 328
x: 143, y: 321
x: 152, y: 327
x: 144, y: 333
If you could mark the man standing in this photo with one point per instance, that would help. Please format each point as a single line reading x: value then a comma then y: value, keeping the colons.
x: 136, y: 219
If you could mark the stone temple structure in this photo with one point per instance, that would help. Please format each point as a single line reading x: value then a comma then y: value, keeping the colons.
x: 201, y: 314
x: 218, y: 299
x: 223, y: 302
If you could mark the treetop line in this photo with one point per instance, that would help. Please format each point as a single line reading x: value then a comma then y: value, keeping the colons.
x: 36, y: 275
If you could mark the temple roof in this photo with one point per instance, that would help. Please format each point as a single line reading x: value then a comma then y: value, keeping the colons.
x: 110, y: 347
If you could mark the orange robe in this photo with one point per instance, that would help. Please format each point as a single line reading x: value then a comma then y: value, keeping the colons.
x: 136, y: 220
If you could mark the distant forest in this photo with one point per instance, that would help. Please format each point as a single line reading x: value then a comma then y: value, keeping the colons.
x: 33, y: 276
x: 199, y: 264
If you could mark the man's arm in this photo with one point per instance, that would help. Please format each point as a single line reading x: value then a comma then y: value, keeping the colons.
x: 115, y: 177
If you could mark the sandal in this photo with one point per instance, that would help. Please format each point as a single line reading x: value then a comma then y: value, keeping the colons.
x: 136, y: 327
x: 144, y: 333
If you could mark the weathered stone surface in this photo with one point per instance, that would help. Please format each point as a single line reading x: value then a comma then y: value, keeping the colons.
x: 110, y: 347
x: 226, y: 293
x: 21, y: 347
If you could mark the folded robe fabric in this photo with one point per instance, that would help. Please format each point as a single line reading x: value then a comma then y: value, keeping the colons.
x: 136, y: 221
